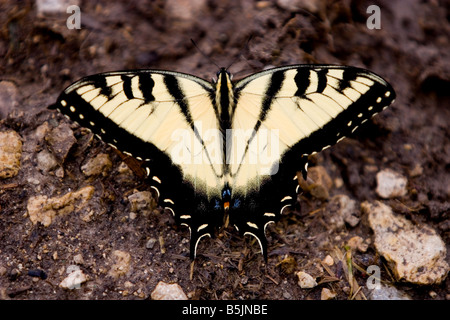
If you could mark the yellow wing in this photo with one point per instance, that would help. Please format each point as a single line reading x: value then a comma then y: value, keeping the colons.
x: 302, y: 107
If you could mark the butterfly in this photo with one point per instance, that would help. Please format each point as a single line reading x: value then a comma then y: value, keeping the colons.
x: 224, y: 152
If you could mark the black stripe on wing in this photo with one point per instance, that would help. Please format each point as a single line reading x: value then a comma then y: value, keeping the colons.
x: 377, y: 98
x: 80, y: 111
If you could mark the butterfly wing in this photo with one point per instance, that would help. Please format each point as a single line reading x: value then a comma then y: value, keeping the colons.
x: 159, y: 117
x: 286, y: 113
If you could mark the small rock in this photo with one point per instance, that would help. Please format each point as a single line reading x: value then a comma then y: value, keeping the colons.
x: 385, y: 292
x: 100, y: 164
x: 151, y: 243
x: 184, y: 9
x: 125, y: 174
x: 390, y: 184
x: 416, y: 171
x: 263, y: 4
x: 133, y: 215
x: 46, y: 161
x: 328, y: 261
x: 78, y: 259
x: 327, y: 294
x: 305, y: 280
x: 14, y: 274
x: 54, y: 6
x: 75, y: 278
x: 10, y: 153
x: 287, y: 295
x: 60, y: 140
x: 415, y: 253
x: 121, y: 265
x: 2, y: 271
x: 41, y: 132
x: 9, y: 98
x: 44, y: 210
x: 166, y: 291
x: 59, y: 172
x: 318, y: 183
x: 341, y: 209
x: 296, y: 5
x: 358, y: 243
x: 142, y: 202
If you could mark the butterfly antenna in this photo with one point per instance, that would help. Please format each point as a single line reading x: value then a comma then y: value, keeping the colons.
x: 244, y: 48
x: 204, y: 54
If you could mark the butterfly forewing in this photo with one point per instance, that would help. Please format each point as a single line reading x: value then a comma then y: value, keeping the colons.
x: 168, y: 110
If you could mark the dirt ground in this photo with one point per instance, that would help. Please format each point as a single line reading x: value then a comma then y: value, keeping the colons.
x: 41, y: 56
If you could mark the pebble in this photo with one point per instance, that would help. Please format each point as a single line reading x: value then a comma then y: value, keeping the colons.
x: 125, y: 174
x: 305, y: 280
x: 9, y: 98
x: 327, y: 294
x: 358, y: 243
x: 10, y: 153
x: 75, y: 278
x: 263, y: 4
x: 340, y: 210
x: 390, y: 184
x: 151, y: 243
x: 328, y: 261
x: 98, y: 165
x: 54, y: 6
x: 39, y: 135
x: 416, y: 171
x: 122, y: 262
x: 46, y: 161
x: 415, y: 253
x: 168, y: 291
x: 2, y: 270
x: 44, y: 210
x: 386, y: 292
x: 60, y: 140
x: 318, y: 183
x: 142, y: 202
x: 78, y: 259
x: 296, y: 5
x: 186, y: 10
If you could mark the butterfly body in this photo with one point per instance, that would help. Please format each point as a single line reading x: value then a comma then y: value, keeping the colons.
x: 226, y: 151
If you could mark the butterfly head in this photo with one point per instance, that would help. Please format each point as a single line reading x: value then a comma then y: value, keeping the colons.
x: 222, y: 75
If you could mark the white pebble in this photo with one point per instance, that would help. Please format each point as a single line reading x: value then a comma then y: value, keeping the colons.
x: 390, y: 184
x: 75, y: 278
x: 166, y: 291
x: 305, y: 280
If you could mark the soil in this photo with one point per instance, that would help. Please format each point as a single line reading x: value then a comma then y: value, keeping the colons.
x: 41, y: 56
